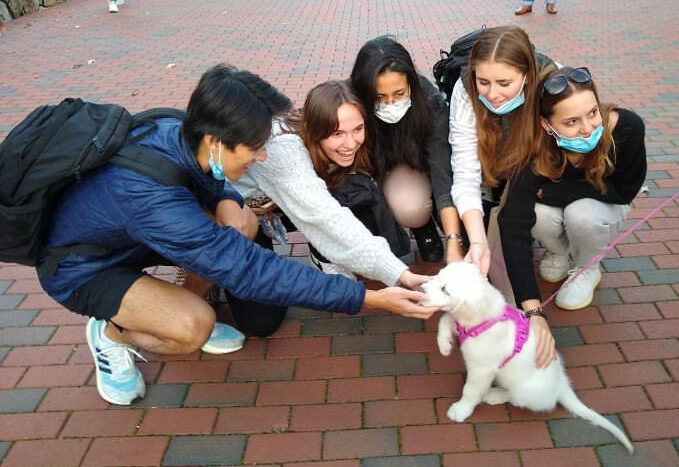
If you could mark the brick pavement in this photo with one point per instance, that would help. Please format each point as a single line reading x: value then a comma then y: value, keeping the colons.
x: 338, y: 391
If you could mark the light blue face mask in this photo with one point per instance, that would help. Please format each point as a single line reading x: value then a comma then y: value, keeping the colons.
x: 216, y: 167
x: 516, y: 101
x: 580, y: 145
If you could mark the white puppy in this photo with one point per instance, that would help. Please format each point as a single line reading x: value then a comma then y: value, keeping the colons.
x: 497, y: 345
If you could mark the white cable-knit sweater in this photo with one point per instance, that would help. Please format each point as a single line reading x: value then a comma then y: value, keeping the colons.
x: 288, y: 178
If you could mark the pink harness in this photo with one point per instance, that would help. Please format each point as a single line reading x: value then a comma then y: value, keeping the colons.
x: 509, y: 314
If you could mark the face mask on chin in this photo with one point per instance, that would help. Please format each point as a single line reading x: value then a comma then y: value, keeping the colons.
x: 216, y: 167
x: 513, y: 104
x: 393, y: 113
x: 578, y: 144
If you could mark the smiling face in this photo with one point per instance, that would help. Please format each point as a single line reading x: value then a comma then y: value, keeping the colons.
x: 342, y: 144
x: 391, y: 87
x: 576, y: 116
x: 498, y: 82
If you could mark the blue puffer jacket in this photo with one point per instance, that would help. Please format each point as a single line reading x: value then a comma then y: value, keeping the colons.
x: 134, y: 214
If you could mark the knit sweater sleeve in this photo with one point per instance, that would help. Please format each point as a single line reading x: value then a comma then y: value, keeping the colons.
x: 288, y: 178
x: 466, y: 190
x: 516, y: 220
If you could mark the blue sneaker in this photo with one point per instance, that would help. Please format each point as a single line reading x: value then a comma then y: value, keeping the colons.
x: 223, y: 339
x: 119, y: 381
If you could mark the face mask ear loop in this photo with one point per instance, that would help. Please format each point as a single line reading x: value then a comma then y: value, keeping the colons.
x: 220, y: 153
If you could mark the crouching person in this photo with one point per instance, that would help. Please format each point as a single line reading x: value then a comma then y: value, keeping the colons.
x: 143, y: 222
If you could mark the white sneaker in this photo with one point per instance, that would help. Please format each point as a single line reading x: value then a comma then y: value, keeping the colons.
x: 119, y: 381
x: 580, y: 292
x: 553, y: 266
x: 112, y: 6
x: 223, y: 339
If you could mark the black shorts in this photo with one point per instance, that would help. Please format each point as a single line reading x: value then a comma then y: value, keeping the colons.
x: 101, y: 296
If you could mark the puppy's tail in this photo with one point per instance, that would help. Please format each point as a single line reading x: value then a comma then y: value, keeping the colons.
x: 570, y: 401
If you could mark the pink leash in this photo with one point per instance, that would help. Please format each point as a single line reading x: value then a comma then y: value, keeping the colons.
x: 611, y: 245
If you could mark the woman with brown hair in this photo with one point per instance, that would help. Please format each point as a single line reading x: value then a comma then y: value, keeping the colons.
x: 575, y: 194
x: 494, y: 132
x: 312, y: 155
x: 493, y: 127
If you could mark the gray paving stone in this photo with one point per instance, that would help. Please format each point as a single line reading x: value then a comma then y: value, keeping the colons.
x: 657, y: 174
x: 16, y: 318
x: 332, y: 326
x: 615, y: 455
x: 661, y: 276
x: 402, y: 461
x: 391, y: 323
x: 26, y: 336
x: 4, y: 447
x: 364, y: 344
x: 662, y: 192
x: 3, y: 352
x: 163, y: 395
x: 606, y: 297
x: 205, y: 450
x: 20, y: 400
x: 398, y: 364
x: 567, y: 336
x: 641, y: 263
x: 579, y: 432
x: 676, y: 444
x: 297, y: 312
x: 10, y: 302
x: 4, y: 285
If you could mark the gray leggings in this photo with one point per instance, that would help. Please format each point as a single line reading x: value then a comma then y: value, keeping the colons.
x: 581, y: 229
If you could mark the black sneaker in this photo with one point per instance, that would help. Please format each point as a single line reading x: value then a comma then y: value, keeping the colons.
x: 428, y: 242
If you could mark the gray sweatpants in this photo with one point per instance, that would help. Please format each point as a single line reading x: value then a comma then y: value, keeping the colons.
x: 581, y: 229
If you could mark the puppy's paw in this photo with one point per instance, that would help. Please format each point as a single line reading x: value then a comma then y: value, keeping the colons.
x: 459, y: 411
x: 445, y: 345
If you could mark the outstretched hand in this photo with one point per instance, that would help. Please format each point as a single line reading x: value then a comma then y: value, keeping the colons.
x: 401, y: 301
x: 411, y: 280
x: 479, y: 254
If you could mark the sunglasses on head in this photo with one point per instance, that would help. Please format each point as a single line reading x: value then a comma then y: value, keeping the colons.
x: 559, y: 83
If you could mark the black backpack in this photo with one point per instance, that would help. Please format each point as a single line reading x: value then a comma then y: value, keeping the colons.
x: 56, y: 145
x: 449, y: 68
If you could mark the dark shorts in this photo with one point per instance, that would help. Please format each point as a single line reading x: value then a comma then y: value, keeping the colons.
x: 101, y: 296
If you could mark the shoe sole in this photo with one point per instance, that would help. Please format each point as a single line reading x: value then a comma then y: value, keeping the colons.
x: 94, y: 358
x: 219, y: 350
x: 582, y: 304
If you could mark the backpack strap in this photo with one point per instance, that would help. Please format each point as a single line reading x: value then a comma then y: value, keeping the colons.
x: 54, y: 255
x: 148, y: 162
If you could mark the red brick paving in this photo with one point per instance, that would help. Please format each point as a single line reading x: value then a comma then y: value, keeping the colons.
x: 296, y: 403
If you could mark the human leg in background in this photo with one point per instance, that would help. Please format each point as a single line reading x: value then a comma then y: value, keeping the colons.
x: 252, y: 318
x: 590, y: 226
x: 550, y: 231
x: 526, y: 7
x: 408, y: 194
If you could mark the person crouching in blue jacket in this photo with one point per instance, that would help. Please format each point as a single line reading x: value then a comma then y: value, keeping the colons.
x: 144, y: 223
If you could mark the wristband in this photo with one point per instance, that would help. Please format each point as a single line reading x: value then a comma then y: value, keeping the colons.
x: 534, y: 312
x: 454, y: 236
